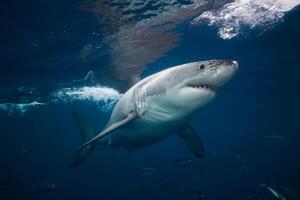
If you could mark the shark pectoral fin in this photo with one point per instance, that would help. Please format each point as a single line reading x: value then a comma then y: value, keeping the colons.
x: 131, y: 116
x: 192, y: 140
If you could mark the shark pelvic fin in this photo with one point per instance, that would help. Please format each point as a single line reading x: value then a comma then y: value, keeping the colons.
x: 86, y: 134
x: 131, y: 116
x: 192, y: 140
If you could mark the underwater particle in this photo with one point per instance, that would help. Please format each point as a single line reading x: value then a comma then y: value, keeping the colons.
x: 277, y: 137
x: 195, y: 193
x: 24, y: 152
x: 167, y: 185
x: 182, y: 161
x: 246, y: 168
x: 35, y: 44
x: 195, y: 176
x: 46, y: 186
x: 237, y: 156
x: 148, y: 158
x: 149, y: 169
x: 200, y: 196
x: 148, y: 174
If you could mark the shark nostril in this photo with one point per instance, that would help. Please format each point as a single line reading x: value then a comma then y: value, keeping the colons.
x: 232, y: 63
x: 229, y: 62
x: 219, y: 62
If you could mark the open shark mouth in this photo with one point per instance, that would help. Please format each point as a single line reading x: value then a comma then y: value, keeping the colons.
x: 203, y: 86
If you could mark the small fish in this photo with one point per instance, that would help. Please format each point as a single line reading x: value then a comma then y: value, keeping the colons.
x: 149, y: 158
x: 215, y: 153
x: 168, y: 185
x: 247, y: 169
x: 278, y: 137
x: 200, y: 196
x: 149, y: 169
x: 24, y: 152
x: 237, y: 156
x: 275, y: 193
x: 195, y: 193
x: 182, y: 161
x: 148, y: 174
x: 45, y: 186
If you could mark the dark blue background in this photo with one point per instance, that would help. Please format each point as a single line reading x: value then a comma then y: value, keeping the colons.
x: 263, y: 99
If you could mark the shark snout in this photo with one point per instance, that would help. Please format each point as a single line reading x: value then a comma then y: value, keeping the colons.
x: 228, y: 63
x: 223, y: 71
x: 235, y: 64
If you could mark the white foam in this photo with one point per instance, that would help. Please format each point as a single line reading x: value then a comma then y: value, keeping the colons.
x: 261, y: 14
x: 105, y: 97
x: 19, y: 107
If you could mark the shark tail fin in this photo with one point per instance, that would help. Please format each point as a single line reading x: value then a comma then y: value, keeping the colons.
x: 86, y: 134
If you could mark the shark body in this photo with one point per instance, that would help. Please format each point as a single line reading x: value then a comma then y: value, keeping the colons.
x: 158, y: 106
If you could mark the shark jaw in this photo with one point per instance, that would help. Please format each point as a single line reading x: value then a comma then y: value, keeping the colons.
x: 203, y: 87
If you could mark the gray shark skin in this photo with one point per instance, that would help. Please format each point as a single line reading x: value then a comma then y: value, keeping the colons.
x: 160, y: 105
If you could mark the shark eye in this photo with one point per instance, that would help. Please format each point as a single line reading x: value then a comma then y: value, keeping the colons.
x: 201, y: 66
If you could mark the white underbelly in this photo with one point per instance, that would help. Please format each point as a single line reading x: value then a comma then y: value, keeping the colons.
x: 148, y: 129
x: 155, y: 124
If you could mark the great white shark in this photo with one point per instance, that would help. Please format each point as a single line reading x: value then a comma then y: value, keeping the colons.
x: 158, y: 106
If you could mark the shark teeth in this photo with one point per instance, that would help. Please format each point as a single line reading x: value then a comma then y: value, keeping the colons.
x: 204, y: 86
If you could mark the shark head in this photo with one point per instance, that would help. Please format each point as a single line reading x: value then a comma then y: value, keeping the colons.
x: 193, y: 85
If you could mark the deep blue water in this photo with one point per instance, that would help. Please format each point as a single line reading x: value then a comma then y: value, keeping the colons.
x: 262, y: 99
